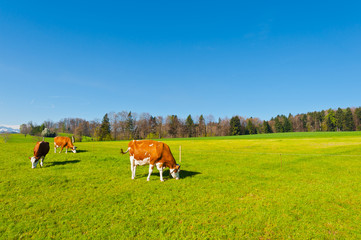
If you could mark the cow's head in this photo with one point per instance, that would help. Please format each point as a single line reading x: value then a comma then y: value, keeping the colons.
x: 175, y: 172
x: 74, y: 149
x: 34, y: 162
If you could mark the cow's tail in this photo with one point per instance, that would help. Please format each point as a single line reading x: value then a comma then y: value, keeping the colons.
x: 121, y: 151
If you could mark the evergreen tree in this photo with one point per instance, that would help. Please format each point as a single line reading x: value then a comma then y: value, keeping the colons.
x: 278, y: 125
x: 358, y: 118
x: 315, y: 120
x: 190, y: 126
x: 251, y: 129
x: 349, y: 124
x: 330, y: 121
x: 287, y: 125
x: 339, y: 119
x: 235, y: 124
x: 105, y: 128
x: 202, y: 126
x: 36, y: 130
x: 153, y: 126
x: 266, y: 128
x: 173, y: 125
x: 129, y: 126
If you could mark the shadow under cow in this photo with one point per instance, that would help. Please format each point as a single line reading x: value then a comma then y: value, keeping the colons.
x: 81, y: 151
x: 166, y: 174
x: 60, y: 163
x: 185, y: 173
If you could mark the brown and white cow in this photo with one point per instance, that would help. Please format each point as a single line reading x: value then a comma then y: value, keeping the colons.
x: 40, y: 151
x: 63, y: 142
x: 143, y: 152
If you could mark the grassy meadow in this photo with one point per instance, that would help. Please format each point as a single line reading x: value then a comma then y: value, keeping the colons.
x: 274, y: 186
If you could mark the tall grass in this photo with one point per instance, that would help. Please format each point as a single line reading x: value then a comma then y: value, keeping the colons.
x: 276, y: 186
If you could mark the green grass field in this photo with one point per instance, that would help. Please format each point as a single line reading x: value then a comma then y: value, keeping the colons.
x: 275, y: 186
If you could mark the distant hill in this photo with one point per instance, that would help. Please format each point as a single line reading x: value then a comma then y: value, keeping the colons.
x: 9, y: 130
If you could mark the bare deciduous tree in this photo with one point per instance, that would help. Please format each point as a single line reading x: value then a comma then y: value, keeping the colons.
x: 5, y: 136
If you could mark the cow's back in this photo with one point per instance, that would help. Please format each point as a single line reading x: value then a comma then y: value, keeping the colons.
x: 41, y: 149
x: 62, y: 141
x: 142, y: 149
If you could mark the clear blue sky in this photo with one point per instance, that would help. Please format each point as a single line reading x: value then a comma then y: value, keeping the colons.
x: 83, y: 59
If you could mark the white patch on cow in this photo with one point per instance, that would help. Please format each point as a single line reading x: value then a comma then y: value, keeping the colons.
x: 158, y: 166
x: 151, y: 145
x: 145, y: 153
x: 74, y: 149
x: 143, y: 162
x: 33, y: 162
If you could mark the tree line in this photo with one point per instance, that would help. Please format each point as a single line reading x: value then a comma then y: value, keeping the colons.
x: 127, y: 125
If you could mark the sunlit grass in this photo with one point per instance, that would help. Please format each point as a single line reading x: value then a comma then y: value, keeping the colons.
x: 276, y: 186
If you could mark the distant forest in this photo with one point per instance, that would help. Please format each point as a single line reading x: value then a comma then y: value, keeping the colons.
x: 127, y: 125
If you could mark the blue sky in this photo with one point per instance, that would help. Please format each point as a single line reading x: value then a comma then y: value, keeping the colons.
x: 249, y: 58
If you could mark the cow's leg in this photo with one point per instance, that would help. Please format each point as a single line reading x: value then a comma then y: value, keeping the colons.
x: 161, y: 174
x: 132, y: 166
x: 160, y: 168
x: 66, y: 149
x: 150, y: 171
x: 61, y: 149
x: 54, y: 148
x: 41, y: 161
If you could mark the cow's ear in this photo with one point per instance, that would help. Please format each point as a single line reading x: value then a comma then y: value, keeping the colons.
x: 178, y: 167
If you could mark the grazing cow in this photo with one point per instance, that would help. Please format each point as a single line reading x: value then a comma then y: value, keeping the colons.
x: 40, y: 151
x: 151, y: 152
x: 63, y: 142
